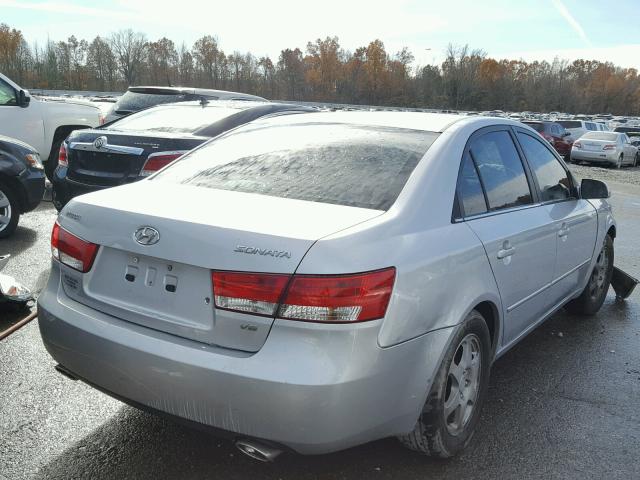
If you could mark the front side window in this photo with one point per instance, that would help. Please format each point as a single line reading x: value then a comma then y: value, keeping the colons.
x: 470, y: 189
x: 7, y: 95
x: 552, y: 178
x: 501, y: 170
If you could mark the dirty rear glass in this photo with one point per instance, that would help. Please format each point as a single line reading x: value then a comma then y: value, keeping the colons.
x: 172, y: 119
x: 135, y: 101
x: 352, y: 165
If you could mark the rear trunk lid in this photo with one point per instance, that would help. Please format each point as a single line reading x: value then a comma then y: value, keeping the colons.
x: 167, y: 285
x: 118, y: 158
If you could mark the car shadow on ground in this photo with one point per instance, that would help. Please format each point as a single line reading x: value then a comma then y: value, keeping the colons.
x: 525, y: 411
x: 21, y: 240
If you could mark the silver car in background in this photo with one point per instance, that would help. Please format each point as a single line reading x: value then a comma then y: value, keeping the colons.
x: 318, y: 281
x: 610, y: 148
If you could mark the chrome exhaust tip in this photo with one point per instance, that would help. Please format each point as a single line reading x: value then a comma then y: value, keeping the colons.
x: 258, y: 451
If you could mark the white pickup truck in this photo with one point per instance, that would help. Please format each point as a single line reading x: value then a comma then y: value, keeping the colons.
x: 43, y: 122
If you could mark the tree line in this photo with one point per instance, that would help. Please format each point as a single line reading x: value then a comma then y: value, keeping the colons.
x: 325, y: 72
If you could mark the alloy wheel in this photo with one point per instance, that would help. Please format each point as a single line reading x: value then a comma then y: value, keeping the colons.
x: 5, y: 211
x: 463, y: 384
x: 599, y: 274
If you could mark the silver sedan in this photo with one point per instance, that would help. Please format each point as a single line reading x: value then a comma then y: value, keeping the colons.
x: 318, y: 281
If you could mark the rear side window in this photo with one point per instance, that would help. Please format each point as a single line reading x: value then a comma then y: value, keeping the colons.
x: 537, y: 126
x: 552, y: 178
x: 570, y: 123
x: 470, y: 189
x: 500, y: 170
x: 343, y: 164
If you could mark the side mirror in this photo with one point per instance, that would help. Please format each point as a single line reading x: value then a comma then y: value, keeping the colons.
x: 23, y: 99
x: 566, y: 134
x: 592, y: 189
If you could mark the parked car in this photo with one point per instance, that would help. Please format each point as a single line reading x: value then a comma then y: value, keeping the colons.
x: 555, y: 134
x: 141, y: 144
x: 139, y: 98
x: 318, y: 281
x: 627, y: 129
x: 610, y: 148
x: 577, y: 128
x: 21, y: 182
x: 41, y: 122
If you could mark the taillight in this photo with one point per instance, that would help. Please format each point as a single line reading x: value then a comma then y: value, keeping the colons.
x: 62, y: 156
x: 101, y: 118
x: 609, y: 147
x: 71, y: 250
x: 256, y: 293
x: 577, y: 144
x: 343, y: 298
x: 159, y: 160
x: 312, y: 298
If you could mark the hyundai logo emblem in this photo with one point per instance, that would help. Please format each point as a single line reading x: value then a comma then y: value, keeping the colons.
x: 100, y: 142
x: 146, y: 236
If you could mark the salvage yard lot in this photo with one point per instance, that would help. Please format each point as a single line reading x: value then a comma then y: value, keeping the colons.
x: 561, y: 404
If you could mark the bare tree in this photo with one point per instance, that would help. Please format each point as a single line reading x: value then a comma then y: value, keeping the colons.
x: 129, y: 49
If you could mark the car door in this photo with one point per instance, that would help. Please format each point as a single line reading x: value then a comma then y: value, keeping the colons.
x: 516, y: 233
x: 575, y: 221
x: 23, y: 123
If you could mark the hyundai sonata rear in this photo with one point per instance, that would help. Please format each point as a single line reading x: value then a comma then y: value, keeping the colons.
x: 318, y: 281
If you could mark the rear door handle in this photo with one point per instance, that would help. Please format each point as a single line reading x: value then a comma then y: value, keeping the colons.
x: 506, y: 252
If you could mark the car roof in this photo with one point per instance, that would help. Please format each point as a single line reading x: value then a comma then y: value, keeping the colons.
x: 429, y: 122
x: 158, y: 90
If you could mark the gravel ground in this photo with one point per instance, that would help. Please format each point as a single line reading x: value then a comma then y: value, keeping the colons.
x: 630, y: 175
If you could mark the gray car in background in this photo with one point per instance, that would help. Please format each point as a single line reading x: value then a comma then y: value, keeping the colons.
x: 317, y: 281
x: 613, y: 149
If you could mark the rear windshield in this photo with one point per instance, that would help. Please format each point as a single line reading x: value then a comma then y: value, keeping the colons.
x: 135, y: 101
x: 570, y: 123
x: 353, y: 165
x: 610, y: 137
x: 172, y: 119
x: 538, y: 127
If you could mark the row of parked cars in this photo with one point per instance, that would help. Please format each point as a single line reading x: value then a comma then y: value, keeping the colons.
x: 581, y: 141
x: 261, y: 268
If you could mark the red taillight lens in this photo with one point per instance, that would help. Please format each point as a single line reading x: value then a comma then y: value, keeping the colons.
x: 62, y: 156
x: 609, y: 147
x: 577, y: 144
x: 71, y: 250
x: 312, y: 298
x: 344, y: 298
x: 159, y: 160
x: 256, y: 293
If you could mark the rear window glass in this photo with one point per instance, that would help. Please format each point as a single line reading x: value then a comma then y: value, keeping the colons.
x: 135, y: 101
x: 610, y: 137
x: 570, y: 124
x: 352, y: 165
x: 538, y: 127
x: 172, y: 119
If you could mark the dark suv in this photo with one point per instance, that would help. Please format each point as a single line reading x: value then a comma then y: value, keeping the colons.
x: 21, y: 182
x: 555, y: 134
x: 139, y: 98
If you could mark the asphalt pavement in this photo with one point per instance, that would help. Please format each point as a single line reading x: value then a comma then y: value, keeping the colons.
x: 562, y: 404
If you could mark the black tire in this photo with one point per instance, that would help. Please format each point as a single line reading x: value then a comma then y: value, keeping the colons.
x: 635, y: 160
x: 432, y: 433
x: 593, y: 295
x: 52, y: 162
x: 10, y: 208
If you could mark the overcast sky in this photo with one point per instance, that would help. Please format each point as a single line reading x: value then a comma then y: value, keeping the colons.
x: 528, y: 29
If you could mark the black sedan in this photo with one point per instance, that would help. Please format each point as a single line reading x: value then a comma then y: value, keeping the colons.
x: 21, y: 182
x: 140, y: 144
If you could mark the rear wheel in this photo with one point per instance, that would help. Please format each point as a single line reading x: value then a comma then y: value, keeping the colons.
x: 451, y: 412
x: 636, y: 158
x: 9, y: 211
x: 593, y: 295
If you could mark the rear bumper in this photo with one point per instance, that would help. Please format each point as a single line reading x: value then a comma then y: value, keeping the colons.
x: 312, y: 388
x: 65, y: 189
x: 594, y: 157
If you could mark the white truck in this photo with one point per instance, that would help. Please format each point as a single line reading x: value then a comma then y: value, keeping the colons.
x: 43, y: 122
